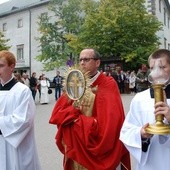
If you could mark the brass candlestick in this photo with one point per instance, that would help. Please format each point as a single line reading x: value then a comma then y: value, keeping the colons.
x: 158, y: 77
x: 159, y: 127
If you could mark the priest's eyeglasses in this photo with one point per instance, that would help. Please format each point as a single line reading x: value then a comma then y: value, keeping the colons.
x: 87, y: 59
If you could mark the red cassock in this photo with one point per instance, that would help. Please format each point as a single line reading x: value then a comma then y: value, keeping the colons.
x: 92, y: 141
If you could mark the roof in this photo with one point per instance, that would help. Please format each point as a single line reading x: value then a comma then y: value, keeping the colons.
x: 18, y: 5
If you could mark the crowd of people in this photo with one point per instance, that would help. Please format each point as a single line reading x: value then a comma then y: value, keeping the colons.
x: 127, y: 81
x: 131, y: 81
x: 37, y: 85
x: 95, y: 134
x: 41, y: 85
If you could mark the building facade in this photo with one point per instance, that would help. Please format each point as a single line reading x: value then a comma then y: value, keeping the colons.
x: 18, y: 22
x: 161, y: 10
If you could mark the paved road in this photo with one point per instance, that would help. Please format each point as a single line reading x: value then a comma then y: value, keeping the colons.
x: 50, y: 157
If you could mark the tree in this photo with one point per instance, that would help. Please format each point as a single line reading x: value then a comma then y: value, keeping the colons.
x: 116, y: 28
x: 120, y: 28
x: 3, y: 42
x: 55, y: 32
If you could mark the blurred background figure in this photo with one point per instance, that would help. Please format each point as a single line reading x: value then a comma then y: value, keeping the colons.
x: 39, y: 85
x: 142, y: 79
x: 132, y: 82
x: 44, y: 84
x: 33, y: 85
x: 18, y: 77
x: 25, y: 79
x: 121, y: 81
x: 58, y: 85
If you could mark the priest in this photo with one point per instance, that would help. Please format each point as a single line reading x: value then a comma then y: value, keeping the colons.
x: 88, y: 136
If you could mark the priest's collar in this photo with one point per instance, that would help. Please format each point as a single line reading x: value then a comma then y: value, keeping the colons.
x: 167, y: 91
x: 94, y: 77
x: 8, y: 85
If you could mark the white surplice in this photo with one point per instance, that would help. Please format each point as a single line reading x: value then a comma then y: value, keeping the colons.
x: 17, y: 142
x: 141, y: 112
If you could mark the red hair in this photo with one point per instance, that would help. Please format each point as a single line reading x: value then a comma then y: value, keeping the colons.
x: 8, y: 56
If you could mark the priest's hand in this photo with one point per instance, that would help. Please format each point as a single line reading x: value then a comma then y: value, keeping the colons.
x: 143, y: 132
x: 87, y: 104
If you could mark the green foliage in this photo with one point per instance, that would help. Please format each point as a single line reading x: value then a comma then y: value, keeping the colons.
x: 3, y: 42
x: 119, y: 28
x: 114, y: 27
x: 57, y: 32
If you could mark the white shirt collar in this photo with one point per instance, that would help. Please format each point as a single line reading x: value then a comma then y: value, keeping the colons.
x: 93, y: 79
x: 7, y: 81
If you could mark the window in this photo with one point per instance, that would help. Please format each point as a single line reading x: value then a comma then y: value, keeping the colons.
x: 159, y: 5
x: 20, y: 52
x: 20, y: 23
x: 168, y: 46
x: 4, y: 27
x: 168, y: 22
x: 165, y: 41
x: 164, y: 16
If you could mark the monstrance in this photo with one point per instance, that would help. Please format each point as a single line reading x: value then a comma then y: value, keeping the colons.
x: 77, y: 88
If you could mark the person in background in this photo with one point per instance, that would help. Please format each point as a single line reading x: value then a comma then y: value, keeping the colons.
x: 33, y: 84
x: 150, y: 152
x: 39, y: 85
x: 132, y: 82
x: 114, y: 74
x: 142, y: 79
x: 88, y: 135
x: 126, y: 82
x: 58, y: 85
x: 17, y: 112
x: 18, y: 77
x: 25, y: 79
x: 121, y: 81
x: 44, y: 84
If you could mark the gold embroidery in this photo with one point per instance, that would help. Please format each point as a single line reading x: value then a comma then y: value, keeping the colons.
x: 77, y: 166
